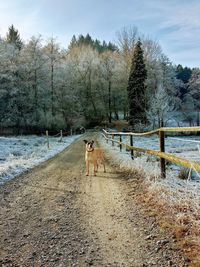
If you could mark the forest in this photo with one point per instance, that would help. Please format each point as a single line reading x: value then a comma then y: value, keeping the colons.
x: 45, y: 86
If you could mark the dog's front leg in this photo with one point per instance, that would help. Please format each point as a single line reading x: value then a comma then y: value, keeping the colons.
x: 95, y: 168
x: 87, y: 167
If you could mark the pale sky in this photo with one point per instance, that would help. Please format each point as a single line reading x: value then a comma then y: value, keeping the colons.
x: 175, y: 24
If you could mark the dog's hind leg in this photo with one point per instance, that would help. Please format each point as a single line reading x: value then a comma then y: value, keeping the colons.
x: 104, y: 167
x: 97, y: 167
x: 103, y: 163
x: 87, y: 168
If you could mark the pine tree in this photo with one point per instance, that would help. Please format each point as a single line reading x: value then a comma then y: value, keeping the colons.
x: 13, y: 37
x: 73, y: 42
x: 183, y: 74
x: 88, y: 41
x: 136, y: 87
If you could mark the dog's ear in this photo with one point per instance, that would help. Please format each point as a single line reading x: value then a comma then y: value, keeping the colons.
x: 92, y: 142
x: 85, y: 141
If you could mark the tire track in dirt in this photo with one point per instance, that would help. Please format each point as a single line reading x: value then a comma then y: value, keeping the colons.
x: 108, y: 221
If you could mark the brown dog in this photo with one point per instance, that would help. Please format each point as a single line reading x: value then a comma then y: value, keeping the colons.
x: 93, y: 155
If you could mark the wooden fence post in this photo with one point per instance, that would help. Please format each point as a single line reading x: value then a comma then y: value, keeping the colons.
x: 61, y: 135
x: 47, y: 136
x: 127, y: 137
x: 120, y: 140
x: 131, y: 144
x: 162, y: 149
x: 106, y: 135
x: 112, y: 139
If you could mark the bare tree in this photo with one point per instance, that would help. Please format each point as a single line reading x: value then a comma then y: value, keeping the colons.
x: 85, y: 61
x: 107, y: 70
x: 52, y: 52
x: 126, y: 40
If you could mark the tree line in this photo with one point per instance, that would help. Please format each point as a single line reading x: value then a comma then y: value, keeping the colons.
x: 44, y: 86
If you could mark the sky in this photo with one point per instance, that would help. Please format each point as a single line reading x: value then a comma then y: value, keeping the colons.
x: 175, y: 24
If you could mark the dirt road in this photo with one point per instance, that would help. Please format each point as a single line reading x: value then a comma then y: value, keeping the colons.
x: 56, y: 216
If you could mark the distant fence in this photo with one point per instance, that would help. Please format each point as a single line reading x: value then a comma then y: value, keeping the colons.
x: 110, y: 136
x: 60, y: 134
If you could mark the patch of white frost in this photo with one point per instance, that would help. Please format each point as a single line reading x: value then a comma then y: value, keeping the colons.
x: 20, y: 153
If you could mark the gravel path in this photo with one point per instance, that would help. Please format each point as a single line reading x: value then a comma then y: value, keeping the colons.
x: 56, y: 216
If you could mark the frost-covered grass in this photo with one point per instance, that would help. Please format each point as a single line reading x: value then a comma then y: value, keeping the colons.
x: 177, y: 200
x: 185, y: 147
x: 20, y: 153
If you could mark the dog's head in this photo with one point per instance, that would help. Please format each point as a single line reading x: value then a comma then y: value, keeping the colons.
x: 89, y: 145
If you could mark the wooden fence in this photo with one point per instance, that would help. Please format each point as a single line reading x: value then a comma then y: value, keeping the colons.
x: 163, y: 156
x: 59, y: 134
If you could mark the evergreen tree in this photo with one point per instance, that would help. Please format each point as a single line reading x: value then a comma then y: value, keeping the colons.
x: 88, y: 41
x: 73, y: 42
x: 184, y: 74
x: 111, y: 47
x: 13, y: 37
x: 136, y: 87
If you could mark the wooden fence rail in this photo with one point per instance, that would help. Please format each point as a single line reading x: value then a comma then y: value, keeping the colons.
x: 163, y: 156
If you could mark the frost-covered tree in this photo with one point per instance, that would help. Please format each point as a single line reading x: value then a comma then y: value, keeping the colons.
x: 170, y: 82
x: 113, y: 92
x: 85, y: 62
x: 152, y: 56
x: 32, y: 74
x: 108, y: 64
x: 7, y: 79
x: 52, y: 54
x: 10, y: 84
x: 126, y: 39
x: 44, y: 87
x: 160, y: 107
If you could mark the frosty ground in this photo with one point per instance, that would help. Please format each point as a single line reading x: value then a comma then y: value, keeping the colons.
x: 54, y: 215
x: 20, y: 153
x: 175, y: 200
x: 187, y: 147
